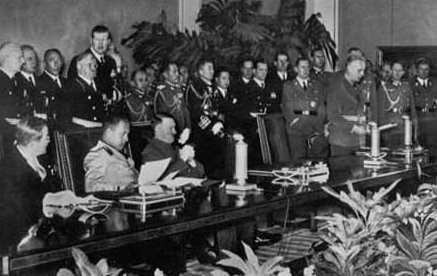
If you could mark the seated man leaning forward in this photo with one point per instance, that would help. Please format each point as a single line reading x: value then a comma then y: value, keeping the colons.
x: 161, y: 147
x: 107, y: 168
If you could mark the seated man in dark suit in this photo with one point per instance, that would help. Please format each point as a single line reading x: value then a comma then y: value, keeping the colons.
x: 50, y: 86
x: 24, y: 181
x: 161, y: 147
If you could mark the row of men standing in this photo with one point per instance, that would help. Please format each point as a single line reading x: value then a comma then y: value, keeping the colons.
x: 83, y: 96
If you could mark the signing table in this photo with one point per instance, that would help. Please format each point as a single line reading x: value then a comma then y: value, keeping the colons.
x: 205, y: 207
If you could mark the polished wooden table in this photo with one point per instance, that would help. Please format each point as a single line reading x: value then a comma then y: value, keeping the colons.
x: 204, y: 207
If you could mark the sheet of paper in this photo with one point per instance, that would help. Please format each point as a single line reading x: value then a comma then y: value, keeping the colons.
x: 181, y: 181
x: 152, y: 171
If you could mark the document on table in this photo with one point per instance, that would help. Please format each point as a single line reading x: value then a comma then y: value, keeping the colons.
x: 181, y: 181
x: 151, y: 171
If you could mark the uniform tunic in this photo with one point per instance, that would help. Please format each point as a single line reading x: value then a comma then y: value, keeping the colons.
x: 210, y: 148
x: 305, y: 113
x: 346, y: 101
x: 169, y: 98
x: 140, y: 106
x: 395, y: 101
x: 107, y: 169
x: 83, y: 101
x: 48, y: 98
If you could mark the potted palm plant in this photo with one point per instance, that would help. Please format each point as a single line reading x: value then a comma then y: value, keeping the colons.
x: 231, y: 29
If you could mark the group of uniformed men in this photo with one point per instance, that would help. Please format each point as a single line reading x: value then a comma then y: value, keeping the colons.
x: 308, y: 112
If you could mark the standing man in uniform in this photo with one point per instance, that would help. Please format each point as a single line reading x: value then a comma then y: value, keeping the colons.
x: 51, y: 86
x: 208, y: 129
x: 11, y: 104
x: 395, y: 100
x: 169, y: 98
x: 347, y: 105
x: 239, y: 85
x: 318, y: 62
x: 106, y: 66
x: 303, y: 103
x: 425, y: 96
x: 82, y: 98
x: 274, y: 119
x: 26, y: 78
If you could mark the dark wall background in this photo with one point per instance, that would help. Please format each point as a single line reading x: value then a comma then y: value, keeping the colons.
x: 371, y: 23
x: 66, y: 24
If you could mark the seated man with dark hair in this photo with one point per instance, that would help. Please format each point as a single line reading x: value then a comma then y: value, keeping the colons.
x: 161, y: 147
x: 106, y: 166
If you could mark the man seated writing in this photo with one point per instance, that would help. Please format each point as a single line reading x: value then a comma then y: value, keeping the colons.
x: 161, y: 147
x: 106, y: 166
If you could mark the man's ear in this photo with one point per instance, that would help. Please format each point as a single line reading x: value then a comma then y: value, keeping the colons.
x: 295, y: 69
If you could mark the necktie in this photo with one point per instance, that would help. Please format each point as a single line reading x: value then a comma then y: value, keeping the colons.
x: 304, y: 85
x: 31, y: 80
x: 102, y: 60
x: 58, y: 81
x: 93, y: 85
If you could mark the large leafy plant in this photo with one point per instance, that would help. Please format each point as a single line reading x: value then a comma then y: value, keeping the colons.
x: 251, y: 266
x: 231, y: 29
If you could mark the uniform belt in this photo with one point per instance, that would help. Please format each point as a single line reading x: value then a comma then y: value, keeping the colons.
x: 305, y: 112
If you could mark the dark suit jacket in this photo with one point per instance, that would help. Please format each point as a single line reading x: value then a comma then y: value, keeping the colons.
x: 158, y: 150
x: 48, y: 98
x: 103, y: 80
x: 21, y: 198
x: 83, y: 102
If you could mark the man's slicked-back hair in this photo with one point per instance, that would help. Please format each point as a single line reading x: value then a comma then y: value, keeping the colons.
x: 422, y: 60
x: 202, y: 62
x: 314, y: 50
x: 352, y: 58
x: 301, y: 59
x: 114, y: 118
x: 160, y: 117
x: 100, y: 29
x: 52, y: 50
x: 29, y: 129
x: 281, y: 53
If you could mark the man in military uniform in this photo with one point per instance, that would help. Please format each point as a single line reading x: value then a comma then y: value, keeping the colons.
x: 82, y: 98
x: 274, y: 119
x: 318, y: 62
x: 303, y: 104
x: 162, y: 147
x: 207, y: 128
x: 349, y: 104
x: 26, y: 79
x: 11, y: 104
x: 395, y: 100
x: 51, y: 87
x: 239, y: 85
x: 140, y: 101
x: 425, y: 96
x: 107, y: 168
x: 106, y: 66
x: 255, y: 101
x: 169, y: 98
